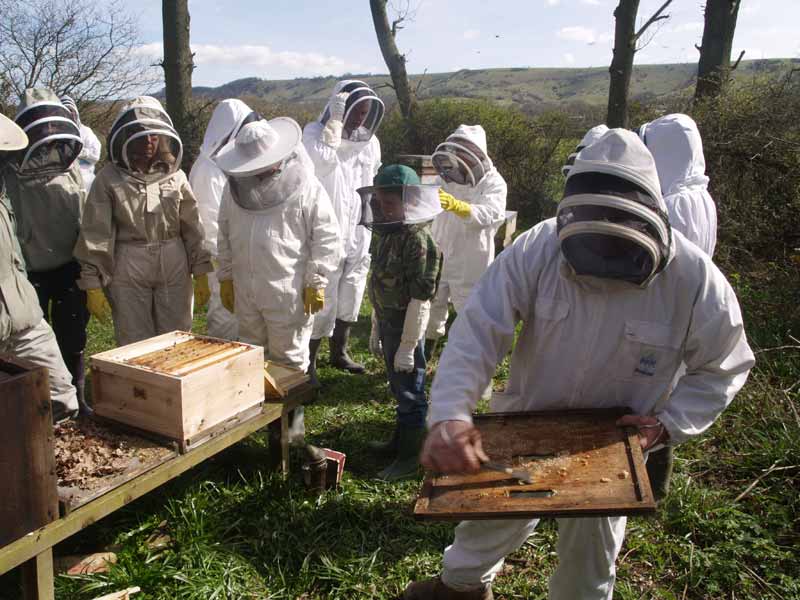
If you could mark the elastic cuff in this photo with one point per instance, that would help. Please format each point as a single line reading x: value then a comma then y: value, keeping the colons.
x: 435, y: 418
x: 676, y: 435
x: 89, y: 283
x: 203, y: 267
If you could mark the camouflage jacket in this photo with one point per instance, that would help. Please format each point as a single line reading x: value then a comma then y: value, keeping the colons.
x: 406, y: 264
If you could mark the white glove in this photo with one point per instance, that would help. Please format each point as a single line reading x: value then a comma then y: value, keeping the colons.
x: 414, y: 326
x: 375, y: 345
x: 332, y: 132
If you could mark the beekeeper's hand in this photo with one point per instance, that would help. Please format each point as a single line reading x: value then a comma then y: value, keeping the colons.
x: 313, y: 300
x: 202, y: 293
x: 227, y: 295
x: 454, y: 205
x: 453, y: 447
x: 98, y: 305
x: 651, y: 431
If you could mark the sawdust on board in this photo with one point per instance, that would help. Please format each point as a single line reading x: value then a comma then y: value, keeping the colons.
x: 87, y: 453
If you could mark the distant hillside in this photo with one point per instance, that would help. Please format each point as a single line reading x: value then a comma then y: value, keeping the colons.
x: 528, y: 89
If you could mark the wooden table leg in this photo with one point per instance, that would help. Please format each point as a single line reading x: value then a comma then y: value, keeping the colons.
x: 37, y: 577
x: 275, y: 448
x: 285, y: 442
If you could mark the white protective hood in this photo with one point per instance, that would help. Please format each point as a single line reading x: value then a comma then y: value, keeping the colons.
x: 677, y: 147
x: 225, y: 121
x: 476, y: 135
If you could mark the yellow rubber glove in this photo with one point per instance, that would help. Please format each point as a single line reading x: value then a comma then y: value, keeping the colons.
x: 227, y: 295
x: 455, y: 206
x: 97, y: 304
x: 313, y: 300
x: 202, y: 293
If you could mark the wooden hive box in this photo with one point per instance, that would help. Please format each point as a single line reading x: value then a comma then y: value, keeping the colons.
x: 178, y: 385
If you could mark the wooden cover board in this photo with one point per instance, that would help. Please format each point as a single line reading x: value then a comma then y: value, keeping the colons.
x: 28, y: 498
x: 593, y: 468
x: 178, y: 384
x: 279, y: 380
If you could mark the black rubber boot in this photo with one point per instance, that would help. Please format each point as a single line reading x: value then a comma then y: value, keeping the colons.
x: 406, y: 465
x: 339, y: 357
x: 386, y: 447
x: 77, y: 368
x: 313, y: 348
x: 659, y: 471
x: 430, y: 348
x: 434, y: 589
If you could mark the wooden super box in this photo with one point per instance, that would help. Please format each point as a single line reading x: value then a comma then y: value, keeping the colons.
x: 178, y: 385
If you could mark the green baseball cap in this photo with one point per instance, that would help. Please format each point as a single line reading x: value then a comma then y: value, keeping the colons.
x: 396, y: 175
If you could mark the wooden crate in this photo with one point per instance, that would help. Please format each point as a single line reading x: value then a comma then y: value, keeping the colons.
x: 28, y: 498
x: 279, y: 380
x: 581, y: 464
x: 178, y: 385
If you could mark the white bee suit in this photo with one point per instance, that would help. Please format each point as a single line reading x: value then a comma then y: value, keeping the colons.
x: 589, y: 342
x: 342, y: 169
x: 208, y: 181
x: 467, y: 245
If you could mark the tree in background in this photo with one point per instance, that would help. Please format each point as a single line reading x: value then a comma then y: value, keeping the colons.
x: 178, y: 66
x: 394, y: 59
x: 87, y: 50
x: 714, y: 66
x: 626, y: 38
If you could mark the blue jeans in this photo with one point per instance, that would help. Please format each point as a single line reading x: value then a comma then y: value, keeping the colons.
x: 407, y: 388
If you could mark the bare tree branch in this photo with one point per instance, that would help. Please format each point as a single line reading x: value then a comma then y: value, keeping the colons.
x: 738, y: 60
x: 657, y: 16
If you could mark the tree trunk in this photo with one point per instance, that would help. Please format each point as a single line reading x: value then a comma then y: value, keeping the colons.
x: 714, y: 66
x: 395, y: 61
x: 178, y: 67
x: 622, y: 63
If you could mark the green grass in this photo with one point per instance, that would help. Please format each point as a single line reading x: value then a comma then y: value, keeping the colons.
x: 239, y: 531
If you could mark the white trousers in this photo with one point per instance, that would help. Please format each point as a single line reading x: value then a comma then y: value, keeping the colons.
x: 221, y: 323
x: 284, y: 343
x: 448, y: 292
x: 343, y: 295
x: 39, y: 346
x: 587, y: 550
x: 150, y: 290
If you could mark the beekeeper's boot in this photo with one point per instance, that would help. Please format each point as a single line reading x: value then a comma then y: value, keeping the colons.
x: 313, y: 348
x: 385, y: 447
x: 406, y: 464
x: 430, y: 348
x: 434, y: 589
x: 339, y: 357
x: 77, y: 368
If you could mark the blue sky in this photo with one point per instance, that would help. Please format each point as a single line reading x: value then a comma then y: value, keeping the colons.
x: 283, y: 39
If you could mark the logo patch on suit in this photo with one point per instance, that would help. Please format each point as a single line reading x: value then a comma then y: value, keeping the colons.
x: 647, y: 365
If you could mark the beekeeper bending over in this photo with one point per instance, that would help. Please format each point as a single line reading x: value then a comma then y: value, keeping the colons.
x: 611, y: 300
x: 473, y: 197
x: 141, y: 238
x: 278, y: 243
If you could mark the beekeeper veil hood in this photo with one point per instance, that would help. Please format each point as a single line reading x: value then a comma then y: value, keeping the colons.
x: 262, y: 163
x: 228, y: 118
x: 143, y: 141
x: 397, y: 198
x: 363, y: 111
x: 463, y: 158
x: 594, y: 134
x: 677, y: 148
x: 54, y: 137
x: 612, y: 221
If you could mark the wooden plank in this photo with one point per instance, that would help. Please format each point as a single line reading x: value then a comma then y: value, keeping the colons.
x: 149, y: 345
x: 582, y: 464
x: 220, y: 428
x: 38, y: 580
x: 46, y: 537
x: 28, y: 496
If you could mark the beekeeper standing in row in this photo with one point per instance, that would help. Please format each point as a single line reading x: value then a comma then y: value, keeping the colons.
x: 208, y: 181
x: 278, y: 243
x: 141, y: 239
x: 90, y: 153
x: 346, y: 155
x: 473, y: 197
x: 611, y: 300
x: 46, y: 190
x: 23, y: 330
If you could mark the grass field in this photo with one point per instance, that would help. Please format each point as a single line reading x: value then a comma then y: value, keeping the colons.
x: 728, y: 529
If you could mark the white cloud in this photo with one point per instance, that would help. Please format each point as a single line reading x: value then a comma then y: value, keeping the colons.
x: 751, y: 8
x: 569, y: 58
x: 691, y: 27
x: 577, y: 34
x: 552, y: 2
x: 472, y: 34
x: 301, y: 63
x: 592, y: 2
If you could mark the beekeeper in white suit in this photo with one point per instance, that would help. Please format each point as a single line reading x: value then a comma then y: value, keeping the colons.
x: 677, y: 148
x: 278, y: 243
x: 90, y: 153
x: 611, y: 302
x: 208, y: 181
x: 594, y: 134
x: 473, y: 197
x: 346, y: 156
